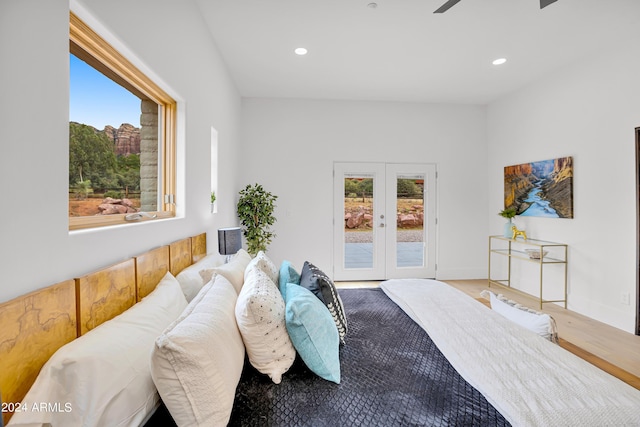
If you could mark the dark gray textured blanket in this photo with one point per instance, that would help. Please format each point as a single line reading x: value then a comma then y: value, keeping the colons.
x: 392, y: 375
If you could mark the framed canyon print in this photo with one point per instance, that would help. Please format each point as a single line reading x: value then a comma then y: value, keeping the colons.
x: 542, y: 189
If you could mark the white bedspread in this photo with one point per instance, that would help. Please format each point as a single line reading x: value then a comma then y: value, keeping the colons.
x: 531, y: 381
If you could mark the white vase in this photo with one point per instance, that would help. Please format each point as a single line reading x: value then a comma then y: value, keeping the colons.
x: 508, y: 232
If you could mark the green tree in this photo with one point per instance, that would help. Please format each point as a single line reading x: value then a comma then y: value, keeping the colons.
x: 128, y: 172
x: 363, y: 187
x: 366, y: 187
x: 91, y: 156
x: 407, y: 188
x: 82, y: 189
x: 351, y: 186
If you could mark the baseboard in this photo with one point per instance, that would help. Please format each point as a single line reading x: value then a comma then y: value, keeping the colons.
x: 622, y: 317
x: 444, y: 274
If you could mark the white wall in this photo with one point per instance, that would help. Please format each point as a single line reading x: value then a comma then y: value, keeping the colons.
x: 166, y: 36
x: 588, y: 111
x: 289, y: 147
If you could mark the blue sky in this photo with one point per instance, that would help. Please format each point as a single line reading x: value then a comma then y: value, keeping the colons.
x: 97, y: 101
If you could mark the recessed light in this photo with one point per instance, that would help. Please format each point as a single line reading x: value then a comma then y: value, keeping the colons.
x: 300, y: 51
x: 499, y: 61
x: 372, y: 5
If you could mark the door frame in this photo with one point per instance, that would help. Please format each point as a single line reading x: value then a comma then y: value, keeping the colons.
x: 637, y: 132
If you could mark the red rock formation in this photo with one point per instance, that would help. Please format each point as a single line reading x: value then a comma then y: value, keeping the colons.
x: 562, y: 169
x: 518, y: 170
x: 517, y: 183
x: 559, y: 189
x: 126, y: 139
x: 112, y: 206
x: 355, y: 221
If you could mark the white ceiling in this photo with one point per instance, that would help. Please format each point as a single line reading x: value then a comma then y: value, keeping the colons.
x: 402, y: 51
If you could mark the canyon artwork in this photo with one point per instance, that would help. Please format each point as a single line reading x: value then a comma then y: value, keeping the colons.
x: 543, y: 189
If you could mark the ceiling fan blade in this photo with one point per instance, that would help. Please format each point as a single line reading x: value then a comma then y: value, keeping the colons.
x: 545, y: 3
x: 448, y: 5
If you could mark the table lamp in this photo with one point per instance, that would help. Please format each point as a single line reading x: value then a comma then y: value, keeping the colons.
x: 229, y: 241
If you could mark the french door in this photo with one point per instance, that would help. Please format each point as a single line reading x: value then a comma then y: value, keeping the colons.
x: 384, y: 221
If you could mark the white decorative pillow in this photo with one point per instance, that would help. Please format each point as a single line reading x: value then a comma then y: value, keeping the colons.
x: 264, y: 263
x: 260, y: 313
x: 540, y: 323
x: 197, y: 362
x: 233, y: 270
x: 190, y: 279
x: 104, y: 375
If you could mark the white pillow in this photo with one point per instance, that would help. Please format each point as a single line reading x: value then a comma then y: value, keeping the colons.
x: 190, y: 280
x: 104, y: 375
x: 264, y: 263
x: 260, y: 313
x: 233, y: 271
x: 197, y: 362
x: 539, y: 323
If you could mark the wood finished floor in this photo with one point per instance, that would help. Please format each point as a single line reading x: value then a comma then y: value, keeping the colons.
x: 609, y: 348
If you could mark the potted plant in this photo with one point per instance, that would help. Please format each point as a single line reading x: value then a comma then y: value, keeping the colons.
x: 255, y: 210
x: 213, y: 199
x: 508, y: 213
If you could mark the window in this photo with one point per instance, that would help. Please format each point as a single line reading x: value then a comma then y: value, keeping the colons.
x: 116, y: 169
x: 214, y: 167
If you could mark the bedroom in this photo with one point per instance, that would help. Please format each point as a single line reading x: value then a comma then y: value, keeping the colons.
x: 586, y: 109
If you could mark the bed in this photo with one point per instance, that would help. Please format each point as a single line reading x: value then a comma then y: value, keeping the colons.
x: 35, y: 326
x: 412, y: 352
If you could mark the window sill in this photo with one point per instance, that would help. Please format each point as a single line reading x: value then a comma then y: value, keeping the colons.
x: 100, y: 221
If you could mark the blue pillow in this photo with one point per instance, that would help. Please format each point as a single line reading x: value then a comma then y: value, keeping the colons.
x: 313, y: 332
x: 288, y: 274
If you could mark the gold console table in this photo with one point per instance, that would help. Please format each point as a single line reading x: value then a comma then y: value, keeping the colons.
x: 531, y: 250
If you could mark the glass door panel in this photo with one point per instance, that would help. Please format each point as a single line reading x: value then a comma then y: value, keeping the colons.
x: 410, y: 236
x: 358, y: 218
x: 358, y: 238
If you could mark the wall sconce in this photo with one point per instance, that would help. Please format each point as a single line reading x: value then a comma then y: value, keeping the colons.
x: 229, y: 241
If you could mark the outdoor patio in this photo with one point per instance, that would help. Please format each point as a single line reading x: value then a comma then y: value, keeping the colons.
x: 358, y: 248
x: 360, y: 255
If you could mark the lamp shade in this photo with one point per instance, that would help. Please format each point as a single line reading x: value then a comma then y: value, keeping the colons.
x: 229, y: 240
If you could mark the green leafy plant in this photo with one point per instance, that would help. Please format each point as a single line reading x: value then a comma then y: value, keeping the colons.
x: 213, y: 196
x: 255, y: 210
x: 508, y: 213
x: 83, y: 189
x: 114, y: 194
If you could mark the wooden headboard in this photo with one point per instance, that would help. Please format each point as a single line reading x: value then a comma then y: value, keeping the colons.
x: 32, y: 328
x: 104, y: 294
x: 150, y: 269
x: 36, y: 325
